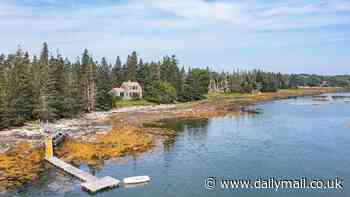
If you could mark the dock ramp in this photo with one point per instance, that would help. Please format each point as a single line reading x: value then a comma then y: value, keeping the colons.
x: 90, y: 183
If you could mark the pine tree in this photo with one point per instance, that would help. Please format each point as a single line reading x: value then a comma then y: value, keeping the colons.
x: 4, y: 123
x: 181, y: 94
x: 132, y: 66
x: 77, y: 91
x: 177, y: 79
x: 68, y: 75
x: 87, y: 79
x: 104, y: 86
x: 117, y: 75
x: 55, y: 88
x: 21, y: 95
x: 141, y: 74
x: 196, y: 84
x: 152, y: 74
x: 40, y: 78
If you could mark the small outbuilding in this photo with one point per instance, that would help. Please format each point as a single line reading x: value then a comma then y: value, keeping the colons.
x: 128, y: 90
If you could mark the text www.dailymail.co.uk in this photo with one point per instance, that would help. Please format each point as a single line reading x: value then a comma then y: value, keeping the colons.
x: 212, y: 183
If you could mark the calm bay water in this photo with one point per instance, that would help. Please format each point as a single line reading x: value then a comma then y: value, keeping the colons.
x: 291, y: 138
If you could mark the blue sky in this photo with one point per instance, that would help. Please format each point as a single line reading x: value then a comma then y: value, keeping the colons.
x: 309, y: 36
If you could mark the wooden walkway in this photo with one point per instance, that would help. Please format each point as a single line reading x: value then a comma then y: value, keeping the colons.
x: 92, y: 183
x: 84, y: 176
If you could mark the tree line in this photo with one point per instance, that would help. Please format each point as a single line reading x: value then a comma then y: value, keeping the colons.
x: 48, y: 87
x: 261, y: 81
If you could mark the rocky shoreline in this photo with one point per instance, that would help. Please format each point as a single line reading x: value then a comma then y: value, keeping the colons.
x: 87, y: 123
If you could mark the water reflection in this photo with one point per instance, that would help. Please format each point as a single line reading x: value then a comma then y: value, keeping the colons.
x: 192, y: 128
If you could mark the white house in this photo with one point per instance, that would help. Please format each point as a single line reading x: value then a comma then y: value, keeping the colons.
x: 128, y: 90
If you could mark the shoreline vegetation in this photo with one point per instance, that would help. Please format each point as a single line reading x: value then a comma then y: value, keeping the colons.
x: 99, y: 136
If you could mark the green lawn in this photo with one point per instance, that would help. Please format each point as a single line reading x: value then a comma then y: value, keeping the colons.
x: 129, y: 103
x: 213, y: 95
x: 292, y: 91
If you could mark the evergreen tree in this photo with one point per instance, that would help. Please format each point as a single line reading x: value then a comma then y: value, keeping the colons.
x: 196, y: 84
x: 132, y: 66
x: 104, y: 86
x: 161, y: 92
x: 77, y: 92
x: 170, y: 72
x: 152, y: 73
x: 21, y: 104
x: 177, y: 80
x: 55, y: 86
x: 141, y: 74
x: 69, y: 109
x: 117, y: 74
x: 87, y: 75
x: 4, y: 122
x: 40, y: 78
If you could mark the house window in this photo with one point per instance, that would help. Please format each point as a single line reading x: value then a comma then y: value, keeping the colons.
x: 122, y: 94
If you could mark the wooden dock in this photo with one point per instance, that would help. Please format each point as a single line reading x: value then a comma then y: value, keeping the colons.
x: 91, y: 183
x: 84, y: 176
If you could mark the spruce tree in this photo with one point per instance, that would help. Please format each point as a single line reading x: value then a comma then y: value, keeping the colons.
x: 21, y: 95
x: 40, y: 78
x: 181, y: 94
x: 132, y: 66
x: 77, y: 91
x: 87, y: 77
x: 55, y: 88
x: 69, y: 109
x: 117, y: 75
x: 196, y: 84
x: 152, y: 74
x: 141, y: 74
x: 104, y: 86
x: 4, y: 123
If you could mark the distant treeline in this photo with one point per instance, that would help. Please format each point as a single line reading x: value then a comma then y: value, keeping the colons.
x: 260, y: 81
x: 52, y: 87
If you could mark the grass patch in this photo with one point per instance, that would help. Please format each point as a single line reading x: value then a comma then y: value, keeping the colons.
x: 292, y: 91
x: 130, y: 103
x: 213, y: 95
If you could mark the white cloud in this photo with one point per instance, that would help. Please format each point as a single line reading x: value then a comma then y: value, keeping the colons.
x: 217, y: 11
x: 258, y: 15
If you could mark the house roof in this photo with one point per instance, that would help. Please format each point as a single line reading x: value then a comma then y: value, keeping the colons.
x: 128, y: 86
x: 118, y: 89
x: 129, y: 83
